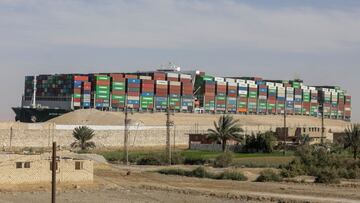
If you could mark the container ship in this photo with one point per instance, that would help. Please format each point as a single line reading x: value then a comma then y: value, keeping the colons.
x: 48, y: 96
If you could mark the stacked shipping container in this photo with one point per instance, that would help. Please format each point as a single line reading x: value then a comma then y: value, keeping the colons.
x: 118, y: 91
x: 243, y: 97
x: 133, y: 93
x: 102, y: 91
x: 161, y: 94
x: 220, y: 98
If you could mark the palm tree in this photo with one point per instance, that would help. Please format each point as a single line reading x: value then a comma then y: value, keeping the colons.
x: 83, y: 135
x: 352, y: 139
x: 226, y: 128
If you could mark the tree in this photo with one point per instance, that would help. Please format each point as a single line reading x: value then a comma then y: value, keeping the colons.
x: 261, y: 142
x: 352, y: 139
x: 83, y: 135
x: 226, y: 128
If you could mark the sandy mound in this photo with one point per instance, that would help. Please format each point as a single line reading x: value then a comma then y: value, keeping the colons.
x: 96, y: 117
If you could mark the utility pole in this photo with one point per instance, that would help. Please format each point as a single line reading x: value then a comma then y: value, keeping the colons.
x: 285, y: 129
x: 168, y: 124
x: 126, y: 137
x: 53, y: 180
x: 322, y: 123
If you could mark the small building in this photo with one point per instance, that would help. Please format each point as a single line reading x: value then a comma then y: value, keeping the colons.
x: 294, y: 134
x: 22, y: 169
x: 200, y: 141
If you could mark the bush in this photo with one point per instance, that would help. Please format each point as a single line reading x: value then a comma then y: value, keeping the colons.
x: 201, y: 172
x: 328, y: 176
x: 195, y: 161
x: 233, y: 175
x: 150, y: 159
x: 175, y: 171
x: 293, y: 169
x: 269, y: 176
x: 177, y: 158
x: 223, y: 160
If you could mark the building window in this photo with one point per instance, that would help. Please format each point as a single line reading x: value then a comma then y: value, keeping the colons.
x: 27, y: 165
x: 18, y: 164
x: 78, y: 165
x: 55, y: 164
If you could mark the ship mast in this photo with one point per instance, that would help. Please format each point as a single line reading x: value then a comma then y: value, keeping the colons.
x: 34, y: 93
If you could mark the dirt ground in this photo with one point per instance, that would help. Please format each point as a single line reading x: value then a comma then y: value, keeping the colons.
x: 112, y: 184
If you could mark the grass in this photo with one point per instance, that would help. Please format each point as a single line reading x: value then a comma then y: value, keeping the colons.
x: 239, y: 159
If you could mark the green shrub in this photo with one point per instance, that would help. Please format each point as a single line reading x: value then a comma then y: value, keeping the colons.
x: 223, y: 160
x: 233, y: 175
x: 195, y: 161
x: 293, y: 169
x: 177, y: 158
x: 327, y: 176
x: 269, y: 175
x: 175, y: 171
x: 201, y: 172
x: 150, y: 159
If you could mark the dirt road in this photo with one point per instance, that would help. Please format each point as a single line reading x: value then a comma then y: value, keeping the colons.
x: 113, y: 185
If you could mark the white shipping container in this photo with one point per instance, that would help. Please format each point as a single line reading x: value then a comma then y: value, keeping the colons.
x: 252, y: 86
x: 175, y: 83
x: 289, y: 99
x: 272, y: 88
x: 185, y: 76
x: 314, y: 91
x: 347, y: 109
x: 240, y: 81
x: 281, y: 89
x: 262, y: 97
x: 243, y: 85
x: 133, y: 98
x: 144, y: 77
x: 290, y: 89
x: 161, y: 82
x: 252, y: 82
x: 232, y: 84
x: 77, y: 104
x: 304, y: 87
x: 172, y: 75
x: 306, y: 91
x: 297, y: 106
x: 221, y: 83
x: 271, y: 84
x: 279, y: 85
x: 242, y: 92
x: 219, y: 79
x: 298, y: 96
x: 230, y: 80
x: 332, y: 90
x: 314, y: 101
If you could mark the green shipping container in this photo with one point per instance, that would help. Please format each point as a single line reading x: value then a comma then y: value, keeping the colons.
x: 102, y: 77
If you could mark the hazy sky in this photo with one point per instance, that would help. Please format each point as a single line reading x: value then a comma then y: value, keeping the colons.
x: 318, y: 41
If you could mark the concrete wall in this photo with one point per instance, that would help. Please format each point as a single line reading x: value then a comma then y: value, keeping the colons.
x: 39, y: 170
x: 17, y: 135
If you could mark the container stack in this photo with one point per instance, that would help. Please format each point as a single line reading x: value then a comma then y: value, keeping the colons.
x: 102, y: 91
x: 325, y: 101
x: 243, y: 97
x: 78, y: 89
x: 271, y: 99
x: 29, y: 87
x: 253, y: 93
x: 314, y: 108
x: 53, y: 87
x: 347, y: 109
x: 175, y: 95
x: 133, y: 93
x: 118, y: 88
x: 297, y: 100
x: 289, y: 100
x: 161, y: 94
x: 187, y: 94
x: 220, y: 94
x: 172, y: 77
x: 209, y: 95
x: 262, y: 98
x: 334, y: 104
x: 86, y: 95
x: 147, y: 93
x: 341, y: 104
x: 281, y: 99
x: 232, y: 89
x: 306, y: 101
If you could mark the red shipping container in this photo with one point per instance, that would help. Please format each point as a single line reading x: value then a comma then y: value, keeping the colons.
x: 81, y: 78
x: 159, y: 76
x: 103, y: 83
x: 77, y: 100
x: 117, y: 76
x: 118, y: 92
x: 77, y: 91
x: 131, y: 76
x: 185, y: 80
x: 133, y: 93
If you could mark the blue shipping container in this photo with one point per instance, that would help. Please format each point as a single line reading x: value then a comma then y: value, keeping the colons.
x: 136, y: 81
x: 147, y: 94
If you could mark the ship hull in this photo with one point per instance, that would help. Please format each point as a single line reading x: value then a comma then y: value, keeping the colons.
x: 34, y: 115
